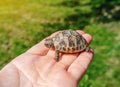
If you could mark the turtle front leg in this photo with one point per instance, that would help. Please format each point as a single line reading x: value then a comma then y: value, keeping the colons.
x: 57, y: 55
x: 87, y: 49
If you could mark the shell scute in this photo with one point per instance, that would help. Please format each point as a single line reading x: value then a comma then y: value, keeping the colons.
x: 69, y: 41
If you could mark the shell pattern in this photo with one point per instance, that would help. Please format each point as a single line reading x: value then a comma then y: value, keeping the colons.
x: 69, y: 41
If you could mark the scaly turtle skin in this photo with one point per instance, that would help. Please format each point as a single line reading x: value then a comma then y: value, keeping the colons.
x: 67, y: 41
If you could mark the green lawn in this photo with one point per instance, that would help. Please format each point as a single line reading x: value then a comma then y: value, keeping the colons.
x: 24, y: 23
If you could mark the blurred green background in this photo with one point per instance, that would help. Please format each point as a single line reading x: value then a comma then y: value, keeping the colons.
x: 24, y: 23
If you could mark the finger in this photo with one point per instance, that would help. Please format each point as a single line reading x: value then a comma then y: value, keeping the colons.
x: 87, y: 37
x: 80, y: 65
x: 40, y: 48
x: 66, y: 60
x: 80, y: 31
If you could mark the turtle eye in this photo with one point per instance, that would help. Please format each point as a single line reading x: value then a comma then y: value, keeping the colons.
x: 47, y: 44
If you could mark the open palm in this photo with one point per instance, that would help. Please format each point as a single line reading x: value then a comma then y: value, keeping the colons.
x: 37, y: 68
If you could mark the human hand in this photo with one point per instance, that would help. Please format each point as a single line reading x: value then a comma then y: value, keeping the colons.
x: 37, y: 68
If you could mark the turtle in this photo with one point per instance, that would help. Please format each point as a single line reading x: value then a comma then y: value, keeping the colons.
x: 67, y: 41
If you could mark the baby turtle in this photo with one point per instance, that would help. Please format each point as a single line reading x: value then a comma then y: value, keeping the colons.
x: 67, y: 41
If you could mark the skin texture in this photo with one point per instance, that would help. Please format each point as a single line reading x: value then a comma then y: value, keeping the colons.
x: 37, y: 67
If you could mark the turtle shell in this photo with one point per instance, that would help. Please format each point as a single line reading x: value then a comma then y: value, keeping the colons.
x: 69, y: 41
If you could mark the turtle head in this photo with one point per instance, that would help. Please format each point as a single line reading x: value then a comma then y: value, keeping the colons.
x: 49, y: 43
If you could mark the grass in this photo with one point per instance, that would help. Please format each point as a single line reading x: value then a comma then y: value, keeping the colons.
x: 25, y: 23
x: 106, y: 61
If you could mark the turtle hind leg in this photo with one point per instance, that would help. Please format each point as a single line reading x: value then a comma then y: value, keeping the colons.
x: 87, y: 49
x: 57, y: 55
